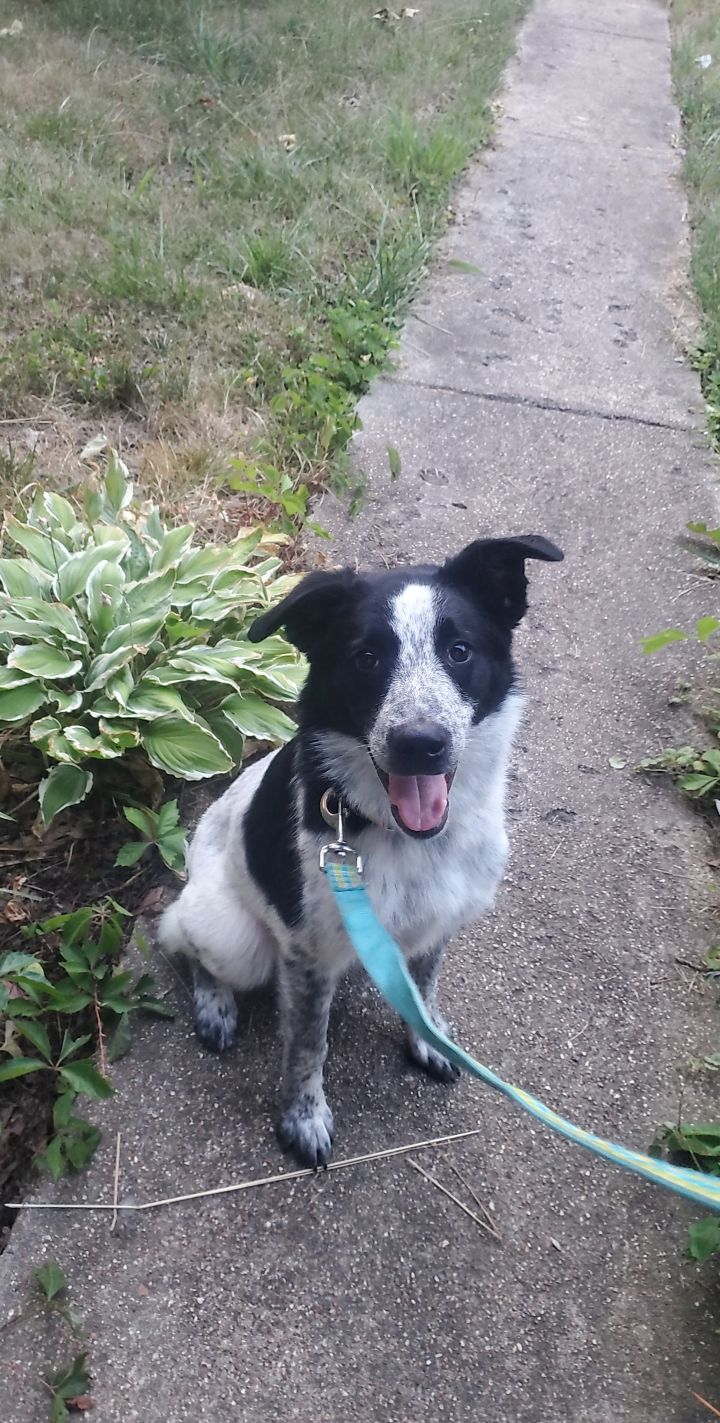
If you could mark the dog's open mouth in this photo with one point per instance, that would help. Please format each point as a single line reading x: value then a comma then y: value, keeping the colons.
x: 419, y: 804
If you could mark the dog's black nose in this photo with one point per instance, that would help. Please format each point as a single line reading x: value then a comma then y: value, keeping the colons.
x: 419, y: 748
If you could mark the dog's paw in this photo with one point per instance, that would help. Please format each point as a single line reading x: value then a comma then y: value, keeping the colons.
x: 306, y: 1128
x: 215, y: 1017
x: 429, y: 1059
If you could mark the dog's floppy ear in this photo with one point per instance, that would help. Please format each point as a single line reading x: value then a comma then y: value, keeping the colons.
x: 493, y: 570
x: 310, y: 611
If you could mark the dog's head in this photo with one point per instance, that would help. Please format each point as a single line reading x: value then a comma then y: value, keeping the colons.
x: 407, y: 662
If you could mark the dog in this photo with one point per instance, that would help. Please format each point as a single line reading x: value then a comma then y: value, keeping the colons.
x: 407, y: 716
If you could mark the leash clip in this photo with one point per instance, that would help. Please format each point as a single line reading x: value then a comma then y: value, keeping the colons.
x: 338, y: 849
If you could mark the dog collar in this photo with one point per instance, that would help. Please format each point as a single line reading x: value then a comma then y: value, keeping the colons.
x: 331, y: 810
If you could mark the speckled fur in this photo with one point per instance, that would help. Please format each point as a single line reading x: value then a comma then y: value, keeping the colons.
x: 239, y: 933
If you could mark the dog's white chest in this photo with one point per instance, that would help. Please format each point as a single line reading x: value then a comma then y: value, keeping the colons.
x: 423, y: 892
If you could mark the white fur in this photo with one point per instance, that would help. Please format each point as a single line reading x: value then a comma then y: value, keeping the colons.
x: 221, y: 919
x: 421, y: 688
x: 422, y: 891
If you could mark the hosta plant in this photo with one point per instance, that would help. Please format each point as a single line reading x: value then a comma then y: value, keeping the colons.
x: 122, y: 637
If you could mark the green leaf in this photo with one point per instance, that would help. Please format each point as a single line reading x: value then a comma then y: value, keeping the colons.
x: 143, y: 819
x: 118, y: 737
x: 103, y: 666
x: 10, y: 677
x: 149, y: 595
x: 157, y: 1007
x: 52, y: 1159
x: 617, y: 762
x: 81, y: 1143
x: 75, y: 572
x: 20, y: 702
x: 257, y: 718
x: 70, y: 1382
x: 231, y: 738
x: 119, y: 1041
x: 85, y: 1078
x: 22, y: 579
x: 459, y: 265
x: 71, y: 1045
x: 25, y: 964
x: 282, y: 681
x: 51, y: 1280
x: 79, y: 739
x: 104, y: 589
x: 44, y: 661
x: 150, y: 701
x: 41, y: 731
x: 65, y: 785
x: 44, y: 614
x: 172, y: 548
x: 184, y: 748
x: 49, y: 553
x: 59, y: 510
x: 119, y: 686
x: 173, y: 848
x: 37, y: 1035
x: 704, y: 1238
x: 394, y: 462
x: 20, y: 1067
x: 705, y: 627
x: 698, y: 785
x: 62, y: 1110
x: 117, y: 488
x: 130, y: 853
x: 659, y: 640
x: 64, y: 701
x: 167, y: 818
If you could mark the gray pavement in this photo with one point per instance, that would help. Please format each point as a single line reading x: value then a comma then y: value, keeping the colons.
x: 544, y: 393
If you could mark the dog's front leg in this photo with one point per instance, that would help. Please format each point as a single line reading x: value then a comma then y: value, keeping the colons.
x: 425, y: 971
x: 306, y: 990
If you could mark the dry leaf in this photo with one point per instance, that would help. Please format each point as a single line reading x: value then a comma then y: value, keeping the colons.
x: 143, y: 1290
x: 15, y: 912
x: 10, y: 1043
x: 94, y: 447
x: 16, y: 28
x: 288, y: 141
x: 152, y: 902
x: 206, y: 101
x: 82, y: 1402
x: 408, y: 14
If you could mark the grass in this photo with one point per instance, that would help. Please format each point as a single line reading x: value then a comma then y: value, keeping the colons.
x: 697, y: 34
x: 194, y: 200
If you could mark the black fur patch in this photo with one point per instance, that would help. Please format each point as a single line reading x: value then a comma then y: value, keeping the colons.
x: 269, y: 831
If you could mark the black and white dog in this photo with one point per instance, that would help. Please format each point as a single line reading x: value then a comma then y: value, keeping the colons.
x: 408, y: 715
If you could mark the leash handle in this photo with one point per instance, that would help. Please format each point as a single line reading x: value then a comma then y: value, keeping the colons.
x: 385, y: 964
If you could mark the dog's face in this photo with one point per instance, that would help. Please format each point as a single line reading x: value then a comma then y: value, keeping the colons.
x: 407, y: 662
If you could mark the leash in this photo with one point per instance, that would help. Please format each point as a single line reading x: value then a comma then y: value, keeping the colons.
x: 385, y: 964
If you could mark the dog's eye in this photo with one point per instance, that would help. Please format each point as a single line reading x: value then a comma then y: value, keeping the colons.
x: 459, y: 652
x: 366, y: 660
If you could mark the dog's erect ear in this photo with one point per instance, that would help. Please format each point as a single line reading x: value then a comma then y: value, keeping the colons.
x: 309, y: 613
x: 493, y: 570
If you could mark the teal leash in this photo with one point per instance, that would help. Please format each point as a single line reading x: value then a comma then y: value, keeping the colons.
x: 385, y: 964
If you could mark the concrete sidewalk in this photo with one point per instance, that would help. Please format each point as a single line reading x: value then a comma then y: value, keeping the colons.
x: 544, y: 393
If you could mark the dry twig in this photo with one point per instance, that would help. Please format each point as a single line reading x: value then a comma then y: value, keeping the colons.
x: 250, y: 1185
x: 489, y: 1228
x: 116, y: 1180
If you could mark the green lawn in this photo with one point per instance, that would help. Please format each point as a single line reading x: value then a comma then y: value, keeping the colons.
x: 697, y: 36
x: 212, y: 218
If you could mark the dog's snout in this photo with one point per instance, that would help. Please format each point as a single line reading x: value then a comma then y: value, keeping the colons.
x: 418, y: 747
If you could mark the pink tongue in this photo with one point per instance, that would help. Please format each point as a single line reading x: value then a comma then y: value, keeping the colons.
x: 420, y: 801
